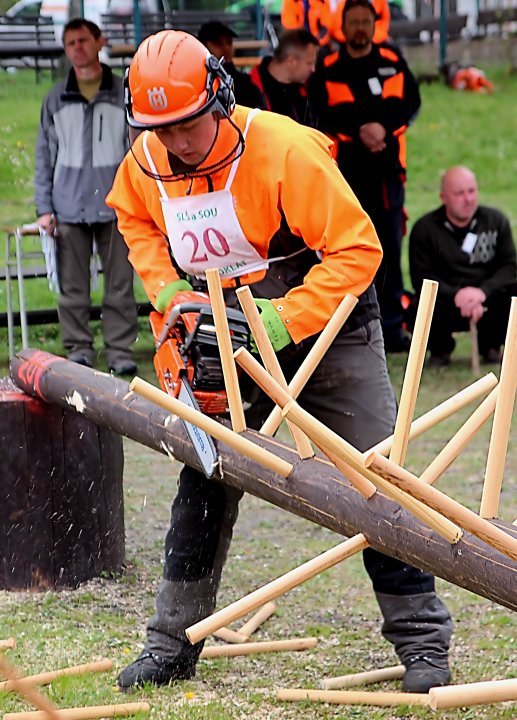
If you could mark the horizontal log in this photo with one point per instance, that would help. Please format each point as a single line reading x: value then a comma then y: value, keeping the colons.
x: 314, y: 490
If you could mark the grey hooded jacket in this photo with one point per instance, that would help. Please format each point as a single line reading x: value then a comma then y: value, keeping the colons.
x: 79, y: 148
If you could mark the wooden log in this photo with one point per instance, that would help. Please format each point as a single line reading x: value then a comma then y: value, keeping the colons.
x: 456, y: 512
x: 253, y: 648
x: 45, y: 678
x: 225, y: 350
x: 85, y: 713
x: 315, y: 490
x: 326, y: 439
x: 256, y: 620
x: 354, y: 697
x: 414, y: 367
x: 481, y: 693
x: 502, y: 420
x: 62, y: 519
x: 275, y: 588
x: 395, y: 672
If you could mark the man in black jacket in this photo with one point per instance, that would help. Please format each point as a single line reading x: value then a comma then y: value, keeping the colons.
x: 282, y: 78
x: 367, y: 97
x: 470, y: 251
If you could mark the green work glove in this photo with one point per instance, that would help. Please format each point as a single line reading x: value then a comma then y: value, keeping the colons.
x: 168, y: 292
x: 275, y: 328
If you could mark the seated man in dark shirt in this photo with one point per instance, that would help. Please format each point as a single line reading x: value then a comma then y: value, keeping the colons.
x: 282, y: 78
x: 218, y: 38
x: 468, y: 248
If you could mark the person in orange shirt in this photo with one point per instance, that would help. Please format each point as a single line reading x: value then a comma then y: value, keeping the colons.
x: 324, y: 18
x: 313, y: 15
x: 208, y: 184
x: 382, y: 21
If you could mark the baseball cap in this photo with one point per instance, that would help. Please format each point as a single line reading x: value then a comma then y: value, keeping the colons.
x: 212, y: 30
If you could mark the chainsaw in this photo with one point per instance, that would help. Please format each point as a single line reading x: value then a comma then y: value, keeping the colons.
x: 188, y: 363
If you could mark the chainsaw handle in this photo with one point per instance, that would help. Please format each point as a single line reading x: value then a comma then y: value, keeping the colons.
x: 172, y: 318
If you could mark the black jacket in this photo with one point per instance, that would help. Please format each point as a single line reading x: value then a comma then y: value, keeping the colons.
x: 352, y: 92
x: 435, y: 252
x: 290, y: 99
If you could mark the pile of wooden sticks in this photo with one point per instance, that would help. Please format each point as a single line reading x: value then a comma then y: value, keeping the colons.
x: 369, y: 473
x: 27, y: 687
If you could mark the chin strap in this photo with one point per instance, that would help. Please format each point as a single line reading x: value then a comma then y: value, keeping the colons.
x: 188, y: 173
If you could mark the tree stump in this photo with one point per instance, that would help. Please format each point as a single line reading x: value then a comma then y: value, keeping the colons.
x: 62, y: 520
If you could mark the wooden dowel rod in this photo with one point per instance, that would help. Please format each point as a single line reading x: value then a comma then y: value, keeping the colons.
x: 481, y: 693
x: 30, y: 692
x: 313, y: 359
x: 224, y: 341
x: 270, y: 360
x: 413, y: 372
x: 474, y: 348
x: 7, y: 644
x: 467, y: 519
x: 47, y: 677
x: 85, y: 713
x: 395, y: 672
x: 326, y: 439
x: 230, y: 636
x: 441, y: 412
x: 460, y: 440
x: 252, y: 648
x: 354, y: 697
x: 257, y: 619
x: 502, y: 421
x: 212, y: 427
x: 275, y: 588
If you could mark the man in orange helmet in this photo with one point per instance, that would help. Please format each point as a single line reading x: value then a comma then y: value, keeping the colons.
x: 211, y: 185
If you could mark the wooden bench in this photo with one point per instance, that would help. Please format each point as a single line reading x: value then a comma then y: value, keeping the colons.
x: 31, y: 43
x: 422, y: 30
x: 495, y: 18
x: 119, y: 30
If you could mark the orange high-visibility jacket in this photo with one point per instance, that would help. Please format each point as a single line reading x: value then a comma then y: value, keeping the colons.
x: 286, y: 175
x: 317, y: 17
x: 382, y: 24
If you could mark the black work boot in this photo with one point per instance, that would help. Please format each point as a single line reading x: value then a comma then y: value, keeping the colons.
x: 151, y: 668
x: 424, y: 672
x: 420, y: 627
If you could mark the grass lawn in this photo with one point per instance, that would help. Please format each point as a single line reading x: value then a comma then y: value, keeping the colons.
x: 106, y: 617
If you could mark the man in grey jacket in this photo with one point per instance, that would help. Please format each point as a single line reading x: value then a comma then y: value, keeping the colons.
x: 82, y: 139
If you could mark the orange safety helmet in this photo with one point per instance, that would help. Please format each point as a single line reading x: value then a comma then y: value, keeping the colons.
x: 173, y: 78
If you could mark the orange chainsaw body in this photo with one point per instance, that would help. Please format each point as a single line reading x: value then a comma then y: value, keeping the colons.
x: 179, y: 356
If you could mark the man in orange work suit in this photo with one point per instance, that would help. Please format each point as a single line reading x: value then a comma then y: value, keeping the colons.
x: 367, y: 97
x: 210, y: 184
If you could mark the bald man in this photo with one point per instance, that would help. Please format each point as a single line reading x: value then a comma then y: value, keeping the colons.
x: 468, y: 248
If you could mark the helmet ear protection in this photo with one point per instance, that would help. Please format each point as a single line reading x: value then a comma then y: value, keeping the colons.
x: 224, y: 94
x: 222, y: 99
